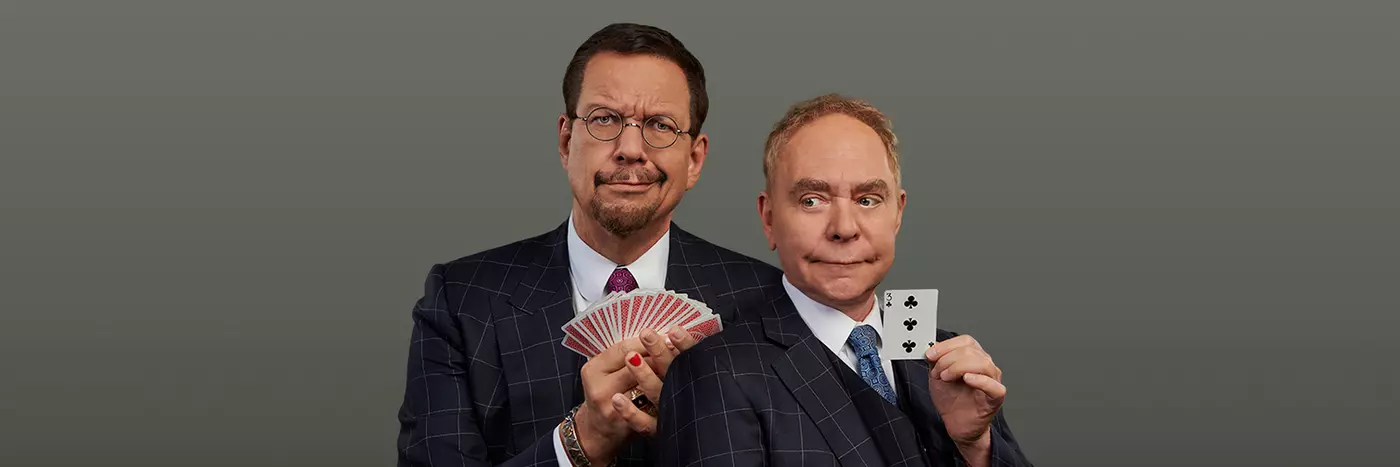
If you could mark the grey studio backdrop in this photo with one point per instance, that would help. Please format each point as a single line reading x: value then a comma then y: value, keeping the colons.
x: 1172, y: 224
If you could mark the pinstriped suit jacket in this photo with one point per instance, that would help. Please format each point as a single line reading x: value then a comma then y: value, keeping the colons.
x: 488, y: 379
x: 767, y: 392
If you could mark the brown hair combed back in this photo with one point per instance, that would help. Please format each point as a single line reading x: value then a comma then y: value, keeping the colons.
x: 810, y: 110
x: 630, y: 38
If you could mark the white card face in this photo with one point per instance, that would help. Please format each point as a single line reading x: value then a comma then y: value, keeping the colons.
x: 911, y: 323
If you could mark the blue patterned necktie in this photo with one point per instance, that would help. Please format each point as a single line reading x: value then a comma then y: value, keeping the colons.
x: 862, y: 340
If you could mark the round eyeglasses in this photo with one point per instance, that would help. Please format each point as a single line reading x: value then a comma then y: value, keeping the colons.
x: 659, y: 131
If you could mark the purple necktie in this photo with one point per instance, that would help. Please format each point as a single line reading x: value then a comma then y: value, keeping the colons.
x: 621, y: 280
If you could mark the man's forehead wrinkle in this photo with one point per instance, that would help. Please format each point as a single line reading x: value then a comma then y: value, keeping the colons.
x: 601, y: 97
x: 605, y: 96
x: 645, y: 106
x: 633, y: 98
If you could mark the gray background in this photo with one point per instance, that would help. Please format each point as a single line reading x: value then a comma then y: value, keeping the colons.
x: 1172, y: 224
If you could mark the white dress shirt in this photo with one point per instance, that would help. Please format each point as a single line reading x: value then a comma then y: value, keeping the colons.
x: 589, y: 272
x: 833, y: 328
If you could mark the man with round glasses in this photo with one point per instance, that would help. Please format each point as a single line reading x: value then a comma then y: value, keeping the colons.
x: 489, y: 381
x: 658, y: 131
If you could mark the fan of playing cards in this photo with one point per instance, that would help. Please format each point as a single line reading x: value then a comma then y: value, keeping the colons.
x: 621, y: 315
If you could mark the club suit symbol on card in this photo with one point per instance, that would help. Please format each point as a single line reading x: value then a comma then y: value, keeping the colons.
x: 910, y: 319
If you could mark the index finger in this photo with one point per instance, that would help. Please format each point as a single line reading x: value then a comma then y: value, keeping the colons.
x: 994, y: 389
x: 946, y: 347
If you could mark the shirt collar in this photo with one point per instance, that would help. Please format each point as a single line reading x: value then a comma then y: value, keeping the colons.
x: 590, y: 270
x: 829, y: 325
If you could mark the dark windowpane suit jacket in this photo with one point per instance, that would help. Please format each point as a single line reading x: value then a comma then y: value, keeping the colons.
x: 767, y: 392
x: 488, y: 379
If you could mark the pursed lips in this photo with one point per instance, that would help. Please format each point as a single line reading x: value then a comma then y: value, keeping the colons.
x: 839, y: 263
x: 630, y: 185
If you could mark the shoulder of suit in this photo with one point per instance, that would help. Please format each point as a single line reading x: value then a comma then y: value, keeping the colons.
x: 466, y: 283
x: 694, y: 245
x: 517, y: 254
x: 722, y: 347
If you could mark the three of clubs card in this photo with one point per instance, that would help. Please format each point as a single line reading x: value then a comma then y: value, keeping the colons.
x: 910, y: 318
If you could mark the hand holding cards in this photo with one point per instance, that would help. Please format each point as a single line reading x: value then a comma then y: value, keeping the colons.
x: 620, y: 316
x: 910, y: 318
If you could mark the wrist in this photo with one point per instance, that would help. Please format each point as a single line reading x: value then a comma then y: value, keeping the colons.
x: 597, y: 445
x: 976, y: 452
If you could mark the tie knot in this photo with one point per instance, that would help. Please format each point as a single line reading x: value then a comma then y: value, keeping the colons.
x: 621, y: 280
x: 862, y: 340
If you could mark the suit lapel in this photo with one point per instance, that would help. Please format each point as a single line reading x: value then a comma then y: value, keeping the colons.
x: 808, y: 370
x: 531, y: 346
x: 680, y: 276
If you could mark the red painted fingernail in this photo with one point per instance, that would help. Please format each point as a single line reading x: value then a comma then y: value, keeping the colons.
x: 636, y: 360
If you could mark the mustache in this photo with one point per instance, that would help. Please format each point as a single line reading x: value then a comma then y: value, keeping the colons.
x: 637, y: 175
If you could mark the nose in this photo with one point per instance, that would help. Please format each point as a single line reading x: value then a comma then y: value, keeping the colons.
x: 842, y: 225
x: 630, y: 145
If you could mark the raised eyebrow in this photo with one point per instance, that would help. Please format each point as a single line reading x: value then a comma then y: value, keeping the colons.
x: 876, y: 186
x: 809, y: 184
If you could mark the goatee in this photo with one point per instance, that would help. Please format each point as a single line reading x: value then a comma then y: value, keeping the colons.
x: 622, y: 219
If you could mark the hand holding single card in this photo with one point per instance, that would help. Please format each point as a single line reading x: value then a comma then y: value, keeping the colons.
x: 911, y: 323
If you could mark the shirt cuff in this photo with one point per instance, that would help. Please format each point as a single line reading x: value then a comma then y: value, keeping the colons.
x: 559, y: 449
